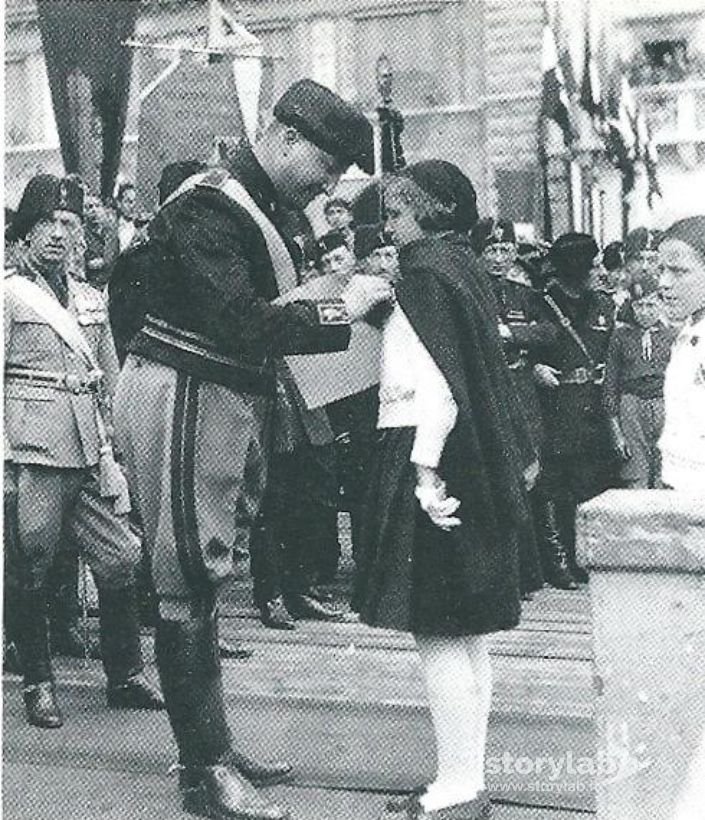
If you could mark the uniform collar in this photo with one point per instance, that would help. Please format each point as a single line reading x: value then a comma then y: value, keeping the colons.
x: 247, y: 170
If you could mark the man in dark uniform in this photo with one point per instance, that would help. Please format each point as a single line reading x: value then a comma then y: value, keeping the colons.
x: 60, y: 475
x: 577, y: 323
x: 495, y: 242
x: 195, y: 398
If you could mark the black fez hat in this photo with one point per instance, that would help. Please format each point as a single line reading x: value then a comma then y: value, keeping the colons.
x: 492, y: 231
x: 329, y: 242
x: 176, y: 173
x: 369, y: 238
x: 572, y: 254
x: 43, y: 195
x: 640, y: 240
x: 447, y: 184
x: 329, y: 122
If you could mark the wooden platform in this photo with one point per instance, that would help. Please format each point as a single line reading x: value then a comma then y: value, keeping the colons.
x: 345, y: 704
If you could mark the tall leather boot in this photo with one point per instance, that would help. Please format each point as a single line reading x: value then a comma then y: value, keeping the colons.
x: 211, y: 780
x: 128, y: 688
x: 554, y: 559
x: 566, y: 518
x: 67, y: 636
x: 32, y: 640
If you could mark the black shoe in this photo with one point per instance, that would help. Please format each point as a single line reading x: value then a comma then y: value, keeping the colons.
x: 136, y: 693
x: 41, y: 706
x: 221, y: 794
x: 325, y: 596
x: 232, y: 652
x: 478, y: 809
x: 307, y: 608
x: 271, y: 773
x: 275, y: 615
x: 68, y: 640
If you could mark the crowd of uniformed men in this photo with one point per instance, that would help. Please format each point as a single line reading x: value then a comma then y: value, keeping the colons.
x: 184, y: 309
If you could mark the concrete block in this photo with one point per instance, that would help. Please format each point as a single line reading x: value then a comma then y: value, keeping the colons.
x: 646, y: 555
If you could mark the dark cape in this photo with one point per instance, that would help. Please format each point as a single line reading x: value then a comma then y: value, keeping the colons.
x: 466, y: 581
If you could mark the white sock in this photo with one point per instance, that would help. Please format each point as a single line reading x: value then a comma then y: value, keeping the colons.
x: 458, y: 682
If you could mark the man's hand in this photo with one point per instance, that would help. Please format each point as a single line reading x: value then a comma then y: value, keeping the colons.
x: 431, y: 494
x: 362, y: 293
x: 546, y: 376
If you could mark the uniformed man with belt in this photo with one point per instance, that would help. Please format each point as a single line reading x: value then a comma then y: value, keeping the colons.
x: 578, y: 323
x: 196, y: 395
x: 60, y: 472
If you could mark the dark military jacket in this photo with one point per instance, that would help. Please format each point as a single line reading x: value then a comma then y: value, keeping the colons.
x: 211, y: 278
x: 573, y: 413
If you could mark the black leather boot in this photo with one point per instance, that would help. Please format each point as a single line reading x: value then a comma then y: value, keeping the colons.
x: 222, y: 794
x: 128, y: 688
x: 33, y: 645
x: 211, y: 785
x: 553, y: 552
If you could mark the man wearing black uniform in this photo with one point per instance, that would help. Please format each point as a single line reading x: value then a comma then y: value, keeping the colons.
x: 494, y: 240
x: 195, y: 399
x: 577, y: 323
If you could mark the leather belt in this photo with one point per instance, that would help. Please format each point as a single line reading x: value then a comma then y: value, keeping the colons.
x: 69, y: 382
x: 584, y: 375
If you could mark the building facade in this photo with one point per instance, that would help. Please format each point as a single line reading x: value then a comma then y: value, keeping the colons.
x: 467, y: 77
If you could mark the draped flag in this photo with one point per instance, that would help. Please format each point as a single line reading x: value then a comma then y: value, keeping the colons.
x: 252, y: 70
x: 621, y: 138
x: 555, y: 102
x: 89, y: 76
x: 591, y: 87
x: 198, y: 108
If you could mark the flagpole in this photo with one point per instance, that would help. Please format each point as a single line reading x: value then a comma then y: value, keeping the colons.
x: 545, y: 186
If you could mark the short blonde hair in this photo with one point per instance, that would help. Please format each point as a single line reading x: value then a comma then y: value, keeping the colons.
x: 431, y: 214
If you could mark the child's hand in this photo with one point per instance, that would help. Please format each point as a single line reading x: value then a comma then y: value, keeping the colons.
x: 619, y: 442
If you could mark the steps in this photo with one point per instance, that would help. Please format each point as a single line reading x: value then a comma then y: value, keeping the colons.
x: 346, y: 705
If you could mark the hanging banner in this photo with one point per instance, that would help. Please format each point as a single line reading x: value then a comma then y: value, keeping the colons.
x: 89, y: 76
x: 186, y: 110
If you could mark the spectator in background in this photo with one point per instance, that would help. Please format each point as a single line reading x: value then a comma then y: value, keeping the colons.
x: 633, y: 390
x: 125, y: 203
x: 641, y: 252
x: 334, y: 256
x: 682, y: 444
x: 339, y: 217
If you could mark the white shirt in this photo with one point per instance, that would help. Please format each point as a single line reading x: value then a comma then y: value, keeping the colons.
x: 682, y: 442
x: 413, y: 392
x: 126, y: 231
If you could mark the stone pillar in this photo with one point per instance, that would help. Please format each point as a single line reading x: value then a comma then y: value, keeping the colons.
x: 645, y: 550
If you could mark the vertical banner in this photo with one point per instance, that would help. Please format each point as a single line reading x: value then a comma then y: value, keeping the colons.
x: 89, y: 75
x: 184, y: 112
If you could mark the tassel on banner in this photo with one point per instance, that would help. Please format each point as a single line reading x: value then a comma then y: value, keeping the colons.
x: 113, y: 483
